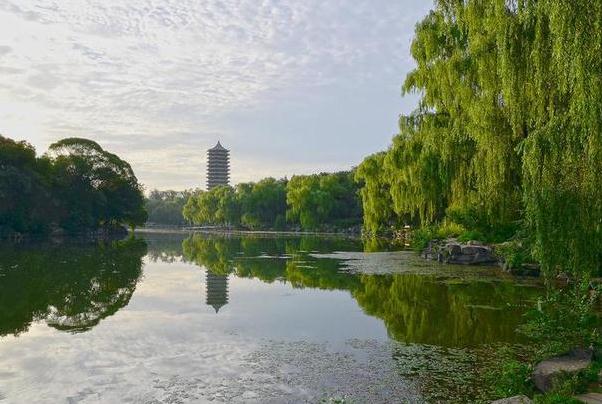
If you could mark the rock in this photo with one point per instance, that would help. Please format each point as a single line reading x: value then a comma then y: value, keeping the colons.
x: 475, y: 249
x: 451, y: 252
x: 454, y: 248
x: 547, y: 371
x: 513, y: 400
x: 590, y: 398
x: 461, y: 260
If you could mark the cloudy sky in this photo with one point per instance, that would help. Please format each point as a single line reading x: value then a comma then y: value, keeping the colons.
x: 290, y: 86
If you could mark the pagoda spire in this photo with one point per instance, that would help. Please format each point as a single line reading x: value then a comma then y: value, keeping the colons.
x: 218, y: 166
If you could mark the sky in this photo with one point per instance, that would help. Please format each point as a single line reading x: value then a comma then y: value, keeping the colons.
x: 289, y: 86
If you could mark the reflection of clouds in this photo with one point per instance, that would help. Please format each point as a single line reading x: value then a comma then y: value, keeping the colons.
x: 117, y: 71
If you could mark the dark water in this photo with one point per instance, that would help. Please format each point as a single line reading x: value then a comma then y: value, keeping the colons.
x: 178, y: 318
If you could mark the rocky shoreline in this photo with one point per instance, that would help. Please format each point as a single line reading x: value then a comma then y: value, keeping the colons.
x: 451, y: 251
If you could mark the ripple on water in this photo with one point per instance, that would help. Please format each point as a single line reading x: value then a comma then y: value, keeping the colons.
x: 293, y: 372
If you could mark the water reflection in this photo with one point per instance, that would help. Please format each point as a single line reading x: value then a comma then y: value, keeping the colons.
x: 71, y: 288
x: 216, y: 290
x: 307, y: 317
x: 416, y: 308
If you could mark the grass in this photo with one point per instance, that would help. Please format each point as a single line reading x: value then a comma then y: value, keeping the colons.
x: 514, y: 253
x: 513, y: 379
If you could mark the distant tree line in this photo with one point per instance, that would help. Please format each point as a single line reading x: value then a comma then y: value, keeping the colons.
x: 165, y: 207
x: 308, y: 202
x: 77, y: 186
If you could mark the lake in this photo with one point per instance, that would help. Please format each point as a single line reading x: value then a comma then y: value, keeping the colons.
x: 178, y: 318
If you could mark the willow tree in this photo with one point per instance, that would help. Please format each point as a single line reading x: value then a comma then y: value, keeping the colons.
x: 462, y: 108
x: 375, y: 193
x: 549, y: 72
x: 319, y: 200
x: 509, y: 123
x: 561, y: 112
x: 419, y: 184
x: 219, y: 206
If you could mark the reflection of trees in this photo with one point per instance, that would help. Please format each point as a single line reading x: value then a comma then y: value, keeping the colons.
x: 414, y: 308
x: 421, y: 309
x: 71, y: 287
x: 214, y: 254
x: 269, y: 259
x: 164, y: 247
x: 320, y: 274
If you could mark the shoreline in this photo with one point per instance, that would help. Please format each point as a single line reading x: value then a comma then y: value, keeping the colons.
x: 59, y: 237
x: 238, y: 232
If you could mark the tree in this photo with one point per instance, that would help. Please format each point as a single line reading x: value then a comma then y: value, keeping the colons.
x: 508, y: 128
x: 375, y: 193
x: 323, y: 199
x: 102, y: 178
x: 165, y: 207
x: 24, y: 197
x: 77, y: 187
x: 263, y: 204
x: 218, y: 206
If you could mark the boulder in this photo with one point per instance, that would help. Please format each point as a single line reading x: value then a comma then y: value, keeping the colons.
x: 454, y: 248
x: 513, y: 400
x: 475, y: 249
x: 451, y: 252
x: 546, y: 372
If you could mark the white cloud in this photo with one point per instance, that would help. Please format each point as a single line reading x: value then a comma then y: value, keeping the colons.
x: 135, y: 75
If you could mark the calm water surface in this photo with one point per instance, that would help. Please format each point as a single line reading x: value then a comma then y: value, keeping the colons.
x: 179, y: 318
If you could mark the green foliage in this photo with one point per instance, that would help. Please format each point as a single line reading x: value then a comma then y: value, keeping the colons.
x: 78, y: 187
x: 508, y: 131
x: 72, y: 287
x: 514, y: 253
x: 263, y: 204
x: 449, y: 229
x: 251, y: 205
x: 556, y: 398
x: 420, y: 238
x: 375, y: 193
x: 323, y: 199
x: 314, y: 202
x: 471, y: 235
x: 24, y: 192
x: 219, y: 206
x: 513, y: 379
x: 165, y: 207
x: 564, y: 319
x: 566, y: 386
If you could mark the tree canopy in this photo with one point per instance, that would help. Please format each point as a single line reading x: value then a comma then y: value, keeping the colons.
x: 508, y: 128
x: 165, y: 207
x: 312, y: 202
x: 77, y: 186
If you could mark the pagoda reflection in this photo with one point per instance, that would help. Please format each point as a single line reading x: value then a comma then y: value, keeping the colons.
x: 216, y: 290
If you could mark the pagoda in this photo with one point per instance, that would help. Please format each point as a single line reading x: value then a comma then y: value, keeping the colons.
x: 218, y: 166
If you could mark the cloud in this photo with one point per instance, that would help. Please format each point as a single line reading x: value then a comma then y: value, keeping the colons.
x: 146, y: 72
